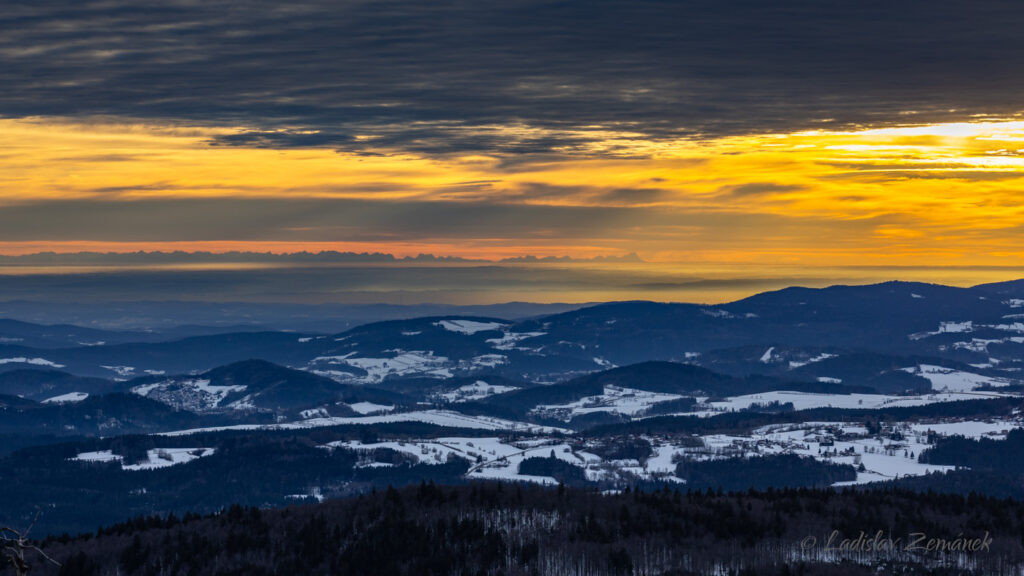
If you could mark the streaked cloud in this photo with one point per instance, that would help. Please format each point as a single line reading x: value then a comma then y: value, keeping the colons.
x: 795, y: 134
x: 857, y: 197
x: 519, y: 77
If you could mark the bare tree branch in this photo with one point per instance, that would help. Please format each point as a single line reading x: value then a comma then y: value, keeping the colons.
x: 17, y: 542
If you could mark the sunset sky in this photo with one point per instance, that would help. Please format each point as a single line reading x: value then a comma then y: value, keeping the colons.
x: 802, y: 136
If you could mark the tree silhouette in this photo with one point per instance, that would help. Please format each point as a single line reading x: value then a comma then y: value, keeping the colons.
x: 16, y: 543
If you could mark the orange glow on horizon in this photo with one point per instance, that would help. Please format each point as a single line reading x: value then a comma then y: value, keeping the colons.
x: 943, y: 195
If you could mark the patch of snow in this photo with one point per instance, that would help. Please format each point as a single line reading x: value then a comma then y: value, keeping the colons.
x: 830, y: 380
x: 1014, y: 303
x: 69, y: 397
x: 313, y: 494
x: 952, y: 380
x: 509, y: 340
x: 121, y: 370
x: 492, y: 458
x: 190, y: 394
x: 32, y: 361
x: 306, y: 339
x: 155, y: 458
x: 412, y: 333
x: 101, y: 456
x: 474, y: 391
x: 946, y: 328
x: 979, y: 345
x: 370, y: 407
x: 617, y: 399
x: 164, y: 457
x: 469, y: 326
x: 603, y: 363
x: 145, y: 389
x: 374, y: 465
x: 808, y: 400
x: 766, y: 358
x: 823, y: 356
x: 402, y: 364
x: 488, y: 361
x: 854, y: 447
x: 437, y: 417
x: 912, y: 295
x: 244, y: 403
x: 996, y: 429
x: 314, y: 413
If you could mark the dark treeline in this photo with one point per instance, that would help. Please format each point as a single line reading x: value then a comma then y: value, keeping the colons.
x: 984, y: 465
x: 771, y: 471
x: 980, y: 454
x: 516, y: 530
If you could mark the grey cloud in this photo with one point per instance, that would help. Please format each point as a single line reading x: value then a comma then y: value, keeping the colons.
x: 634, y: 195
x: 301, y: 220
x: 361, y: 220
x: 284, y: 139
x: 374, y: 284
x: 433, y: 76
x: 757, y: 189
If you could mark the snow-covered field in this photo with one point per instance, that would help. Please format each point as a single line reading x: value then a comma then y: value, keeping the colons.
x: 492, y: 458
x: 808, y: 400
x: 438, y: 417
x: 155, y: 458
x: 370, y: 407
x: 191, y: 394
x: 627, y: 401
x: 823, y: 356
x: 122, y: 371
x: 31, y: 361
x: 946, y: 328
x: 882, y: 459
x: 509, y: 340
x: 69, y: 397
x: 474, y: 391
x: 954, y: 380
x: 891, y: 454
x: 469, y: 326
x: 403, y: 363
x: 484, y: 361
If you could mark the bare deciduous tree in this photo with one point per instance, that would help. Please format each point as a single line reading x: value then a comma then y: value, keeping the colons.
x: 16, y: 543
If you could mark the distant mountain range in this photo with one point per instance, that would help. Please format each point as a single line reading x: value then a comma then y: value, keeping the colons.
x: 798, y: 334
x: 897, y: 383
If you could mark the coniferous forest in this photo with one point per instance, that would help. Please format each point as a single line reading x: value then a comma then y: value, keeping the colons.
x: 515, y: 529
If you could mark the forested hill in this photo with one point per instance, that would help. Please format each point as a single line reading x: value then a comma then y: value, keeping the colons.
x: 520, y: 529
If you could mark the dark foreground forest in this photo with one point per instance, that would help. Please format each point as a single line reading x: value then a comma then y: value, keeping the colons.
x: 495, y: 529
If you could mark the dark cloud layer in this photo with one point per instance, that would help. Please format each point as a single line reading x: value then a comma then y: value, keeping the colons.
x: 416, y: 74
x: 217, y: 219
x: 382, y: 284
x: 356, y: 220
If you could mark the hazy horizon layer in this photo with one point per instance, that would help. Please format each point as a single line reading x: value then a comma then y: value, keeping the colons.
x: 452, y: 284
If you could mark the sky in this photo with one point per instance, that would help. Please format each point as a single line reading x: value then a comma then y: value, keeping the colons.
x: 797, y: 140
